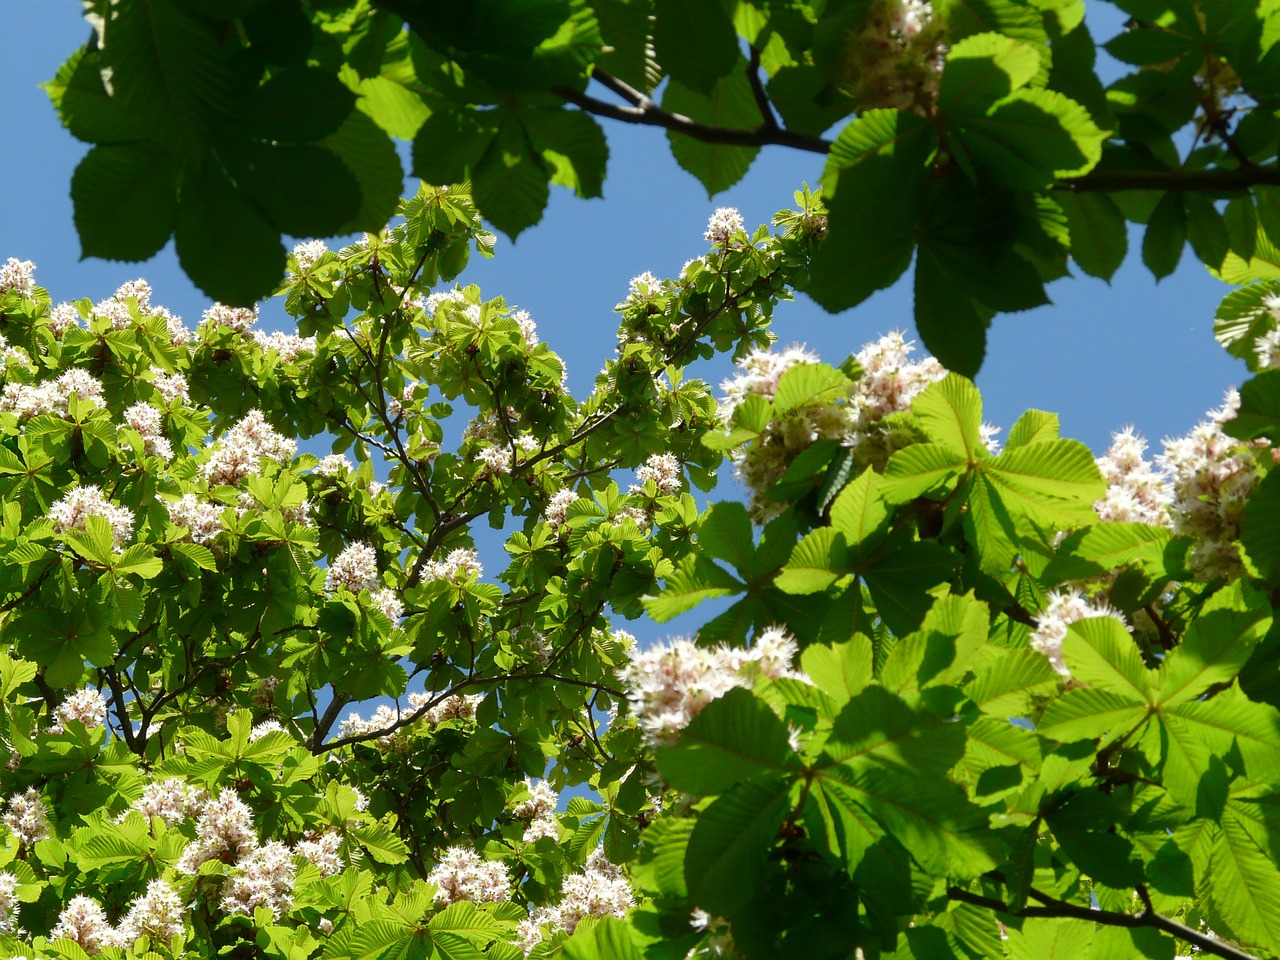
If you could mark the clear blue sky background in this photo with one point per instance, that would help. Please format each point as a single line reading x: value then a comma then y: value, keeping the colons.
x: 1102, y: 356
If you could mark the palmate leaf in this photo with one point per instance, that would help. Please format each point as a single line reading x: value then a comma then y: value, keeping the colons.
x: 950, y: 412
x: 372, y: 158
x: 125, y: 197
x: 1105, y: 547
x: 1089, y: 714
x: 818, y: 561
x: 1099, y: 237
x: 724, y: 862
x: 1052, y: 482
x: 1259, y: 414
x: 878, y: 729
x: 1101, y: 653
x: 509, y: 181
x: 875, y: 184
x: 860, y: 513
x: 1260, y: 530
x: 735, y: 737
x: 695, y: 41
x: 922, y: 469
x: 695, y: 579
x: 1216, y: 644
x: 1244, y: 887
x: 1005, y: 688
x: 729, y: 103
x: 841, y: 671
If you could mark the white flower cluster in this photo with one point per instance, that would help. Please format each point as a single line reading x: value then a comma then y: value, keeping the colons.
x: 671, y: 683
x: 120, y: 312
x: 1063, y: 608
x: 202, y: 518
x: 264, y: 879
x: 458, y: 565
x: 1266, y: 348
x: 557, y: 511
x: 11, y: 356
x: 598, y: 890
x: 288, y: 345
x: 1137, y: 492
x: 224, y: 831
x: 239, y: 319
x: 171, y: 799
x: 888, y: 384
x: 664, y: 470
x: 528, y: 329
x: 322, y: 851
x: 157, y: 915
x: 18, y: 275
x: 243, y: 447
x: 79, y: 503
x: 1212, y: 476
x: 643, y: 286
x: 455, y: 707
x: 27, y: 817
x: 496, y: 460
x: 539, y: 810
x: 725, y: 224
x: 62, y: 318
x: 462, y: 875
x: 88, y: 706
x: 51, y: 397
x: 356, y: 569
x: 308, y: 252
x: 146, y: 419
x: 334, y: 465
x: 896, y: 60
x: 890, y: 381
x: 8, y: 902
x: 171, y: 386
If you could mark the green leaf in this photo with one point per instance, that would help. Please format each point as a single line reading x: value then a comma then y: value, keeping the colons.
x: 225, y: 243
x: 901, y: 579
x: 1081, y: 714
x: 1206, y: 230
x: 573, y: 147
x: 1050, y: 482
x: 1100, y: 652
x: 1053, y: 939
x: 169, y: 70
x: 371, y: 156
x: 1099, y: 236
x: 842, y: 670
x: 1166, y: 235
x: 1031, y: 137
x: 730, y: 104
x: 807, y: 385
x: 1216, y: 644
x: 305, y: 190
x: 922, y: 469
x: 139, y: 561
x: 1263, y: 265
x: 736, y: 736
x: 1007, y: 687
x: 724, y: 862
x: 1242, y: 318
x: 607, y: 938
x: 1032, y: 427
x: 818, y: 561
x: 877, y: 728
x: 381, y: 843
x: 695, y: 579
x: 859, y: 513
x: 300, y: 105
x: 86, y: 108
x: 1245, y: 892
x: 509, y: 182
x: 724, y: 533
x: 984, y: 68
x: 950, y: 413
x: 124, y: 199
x: 952, y: 325
x: 1106, y: 547
x: 1260, y: 528
x: 695, y: 41
x: 1259, y: 414
x: 875, y: 185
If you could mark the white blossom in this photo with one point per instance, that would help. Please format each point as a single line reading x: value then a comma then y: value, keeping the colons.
x: 171, y: 386
x: 62, y: 318
x: 79, y: 503
x: 263, y: 878
x: 224, y: 831
x: 356, y: 569
x: 458, y: 565
x: 1137, y: 491
x: 462, y: 875
x: 1061, y: 609
x: 88, y: 706
x: 242, y: 448
x: 19, y: 275
x: 334, y: 465
x: 239, y: 319
x: 146, y: 419
x: 308, y: 252
x: 9, y: 904
x: 158, y: 915
x: 664, y: 470
x: 202, y: 518
x: 171, y: 799
x: 724, y: 225
x: 598, y: 890
x: 323, y: 852
x: 542, y: 801
x: 84, y: 921
x: 27, y: 817
x: 558, y: 506
x: 288, y: 346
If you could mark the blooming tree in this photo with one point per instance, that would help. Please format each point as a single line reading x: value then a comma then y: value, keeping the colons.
x: 965, y: 696
x: 969, y: 690
x: 976, y: 137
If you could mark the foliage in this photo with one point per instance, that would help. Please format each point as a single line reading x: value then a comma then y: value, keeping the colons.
x: 963, y: 700
x: 974, y: 136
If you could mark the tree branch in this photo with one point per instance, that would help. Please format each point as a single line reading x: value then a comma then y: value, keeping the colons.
x: 645, y: 112
x: 1055, y: 908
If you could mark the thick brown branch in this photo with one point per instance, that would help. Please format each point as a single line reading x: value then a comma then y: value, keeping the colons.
x: 1054, y: 908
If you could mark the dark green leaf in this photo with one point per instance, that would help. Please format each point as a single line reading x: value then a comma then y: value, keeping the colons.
x: 301, y: 105
x: 724, y: 863
x: 371, y: 156
x: 226, y: 244
x: 124, y: 200
x: 695, y: 41
x: 735, y: 737
x: 730, y: 104
x: 1166, y: 234
x: 305, y: 190
x: 1099, y: 237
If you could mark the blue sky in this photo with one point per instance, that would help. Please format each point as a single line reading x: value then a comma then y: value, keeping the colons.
x: 1102, y: 356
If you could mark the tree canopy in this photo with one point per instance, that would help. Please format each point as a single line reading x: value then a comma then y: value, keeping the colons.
x: 967, y: 691
x: 973, y: 136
